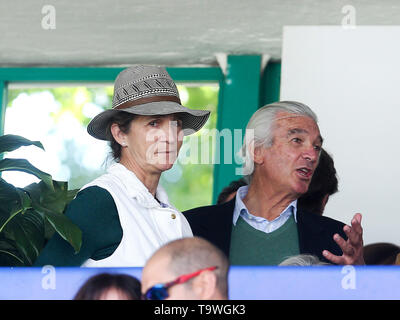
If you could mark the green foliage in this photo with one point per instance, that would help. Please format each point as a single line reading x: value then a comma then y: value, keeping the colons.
x: 72, y: 158
x: 72, y: 100
x: 29, y: 216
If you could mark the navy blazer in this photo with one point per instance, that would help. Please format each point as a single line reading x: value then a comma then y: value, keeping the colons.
x: 214, y: 223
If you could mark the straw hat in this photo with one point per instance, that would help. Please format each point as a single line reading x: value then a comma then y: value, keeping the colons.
x: 146, y: 90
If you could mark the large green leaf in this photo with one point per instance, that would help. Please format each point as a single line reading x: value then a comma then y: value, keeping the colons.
x: 51, y: 204
x: 27, y: 231
x: 9, y: 254
x: 35, y: 191
x: 25, y: 166
x: 56, y: 199
x: 26, y: 212
x: 64, y: 227
x: 11, y: 142
x: 9, y: 198
x: 25, y: 200
x: 12, y: 202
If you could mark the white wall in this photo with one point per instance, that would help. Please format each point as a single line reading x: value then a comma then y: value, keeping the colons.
x: 351, y: 79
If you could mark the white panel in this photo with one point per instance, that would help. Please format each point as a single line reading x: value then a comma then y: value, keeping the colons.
x: 178, y: 32
x: 351, y: 79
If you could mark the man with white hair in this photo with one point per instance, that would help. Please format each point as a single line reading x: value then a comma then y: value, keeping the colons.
x: 262, y: 225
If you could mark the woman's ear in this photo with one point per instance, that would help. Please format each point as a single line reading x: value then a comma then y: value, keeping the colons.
x: 118, y: 135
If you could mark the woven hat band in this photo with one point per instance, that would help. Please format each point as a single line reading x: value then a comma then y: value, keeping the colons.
x: 145, y: 100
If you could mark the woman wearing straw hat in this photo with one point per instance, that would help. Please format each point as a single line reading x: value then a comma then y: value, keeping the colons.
x: 125, y: 214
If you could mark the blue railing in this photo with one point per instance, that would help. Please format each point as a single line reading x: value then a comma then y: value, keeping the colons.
x: 245, y: 283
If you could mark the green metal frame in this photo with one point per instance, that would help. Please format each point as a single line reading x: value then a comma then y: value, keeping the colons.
x: 99, y: 74
x: 239, y: 99
x: 270, y: 83
x: 3, y: 104
x: 239, y: 94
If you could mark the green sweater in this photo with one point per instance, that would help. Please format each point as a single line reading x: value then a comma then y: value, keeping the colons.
x: 94, y: 212
x: 250, y: 246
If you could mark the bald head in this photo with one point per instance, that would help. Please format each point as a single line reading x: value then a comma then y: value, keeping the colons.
x: 185, y: 256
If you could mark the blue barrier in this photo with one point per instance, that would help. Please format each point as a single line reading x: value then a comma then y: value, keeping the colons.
x: 245, y: 283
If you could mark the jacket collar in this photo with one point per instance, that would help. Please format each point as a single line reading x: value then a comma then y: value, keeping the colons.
x: 136, y: 189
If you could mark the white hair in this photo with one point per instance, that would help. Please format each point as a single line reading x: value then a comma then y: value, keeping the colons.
x: 260, y: 129
x: 303, y: 260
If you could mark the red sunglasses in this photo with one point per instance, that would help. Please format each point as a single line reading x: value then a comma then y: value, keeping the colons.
x: 160, y: 290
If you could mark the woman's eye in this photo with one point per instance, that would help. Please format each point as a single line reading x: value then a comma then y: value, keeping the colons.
x: 318, y: 148
x: 297, y: 140
x: 153, y: 123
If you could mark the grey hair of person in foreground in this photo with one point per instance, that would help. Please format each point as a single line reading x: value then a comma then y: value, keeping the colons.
x: 303, y: 260
x: 190, y: 254
x: 260, y: 129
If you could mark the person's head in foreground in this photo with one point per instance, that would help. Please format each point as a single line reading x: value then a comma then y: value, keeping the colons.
x: 303, y: 260
x: 186, y: 269
x: 106, y: 286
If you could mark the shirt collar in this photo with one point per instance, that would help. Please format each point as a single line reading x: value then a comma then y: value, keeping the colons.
x: 136, y: 189
x: 239, y: 205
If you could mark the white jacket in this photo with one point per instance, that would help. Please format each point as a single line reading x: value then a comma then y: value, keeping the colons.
x: 146, y: 224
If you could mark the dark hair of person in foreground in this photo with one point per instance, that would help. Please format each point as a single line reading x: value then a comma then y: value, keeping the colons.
x: 107, y: 286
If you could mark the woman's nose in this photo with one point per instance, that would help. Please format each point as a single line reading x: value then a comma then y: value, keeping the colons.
x: 169, y: 132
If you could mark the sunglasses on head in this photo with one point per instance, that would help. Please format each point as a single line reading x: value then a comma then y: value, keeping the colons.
x: 160, y: 290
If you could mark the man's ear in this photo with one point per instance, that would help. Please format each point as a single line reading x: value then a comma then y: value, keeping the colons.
x: 118, y: 135
x: 205, y: 285
x: 256, y: 153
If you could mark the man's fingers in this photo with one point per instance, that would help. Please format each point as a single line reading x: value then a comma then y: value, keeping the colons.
x: 354, y: 233
x: 332, y: 258
x: 344, y: 245
x: 358, y: 216
x: 356, y: 223
x: 352, y: 248
x: 354, y: 237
